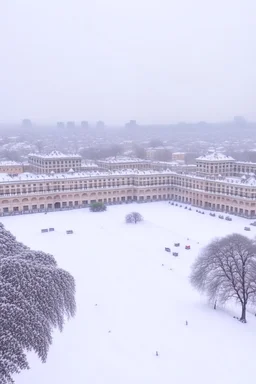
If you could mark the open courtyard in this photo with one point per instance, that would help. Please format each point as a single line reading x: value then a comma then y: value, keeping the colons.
x: 134, y: 299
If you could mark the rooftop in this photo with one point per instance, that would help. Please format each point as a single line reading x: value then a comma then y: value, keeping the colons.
x: 6, y: 178
x: 120, y: 159
x: 9, y: 162
x: 215, y: 157
x: 55, y: 155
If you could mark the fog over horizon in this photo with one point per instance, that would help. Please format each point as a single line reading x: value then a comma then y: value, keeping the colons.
x: 159, y: 61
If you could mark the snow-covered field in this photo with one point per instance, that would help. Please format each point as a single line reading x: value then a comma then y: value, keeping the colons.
x: 134, y: 299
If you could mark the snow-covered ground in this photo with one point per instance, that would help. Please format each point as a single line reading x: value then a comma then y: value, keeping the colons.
x: 134, y: 299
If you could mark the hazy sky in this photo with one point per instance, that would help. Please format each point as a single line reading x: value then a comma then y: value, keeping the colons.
x: 115, y: 60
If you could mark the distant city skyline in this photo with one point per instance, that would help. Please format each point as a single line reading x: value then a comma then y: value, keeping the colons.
x: 155, y: 62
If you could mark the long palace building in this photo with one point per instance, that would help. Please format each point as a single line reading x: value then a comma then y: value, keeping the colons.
x: 216, y: 182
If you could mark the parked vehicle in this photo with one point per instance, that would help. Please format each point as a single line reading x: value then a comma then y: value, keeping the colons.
x: 167, y: 249
x: 221, y: 217
x: 187, y: 247
x: 212, y: 214
x: 247, y: 228
x: 254, y: 224
x: 228, y: 218
x: 175, y: 254
x: 44, y: 230
x: 176, y: 244
x: 69, y: 232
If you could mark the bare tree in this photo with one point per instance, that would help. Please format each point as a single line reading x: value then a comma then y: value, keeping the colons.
x: 133, y: 218
x: 226, y: 269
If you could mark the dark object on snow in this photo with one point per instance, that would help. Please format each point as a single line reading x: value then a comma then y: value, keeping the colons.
x: 190, y: 209
x: 180, y: 206
x: 254, y: 224
x: 172, y: 204
x: 157, y: 353
x: 202, y: 213
x: 167, y: 249
x: 221, y: 217
x: 176, y: 205
x: 186, y: 322
x: 44, y: 230
x: 247, y: 228
x: 96, y: 305
x: 212, y: 214
x: 51, y: 229
x: 109, y: 331
x: 162, y: 265
x: 187, y: 247
x: 186, y: 207
x: 228, y: 218
x: 176, y: 244
x: 69, y: 232
x: 175, y: 254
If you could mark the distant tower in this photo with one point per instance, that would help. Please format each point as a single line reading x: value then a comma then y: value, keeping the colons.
x: 84, y: 124
x: 132, y: 124
x: 26, y: 123
x: 60, y: 124
x: 100, y: 125
x: 240, y: 120
x: 71, y: 124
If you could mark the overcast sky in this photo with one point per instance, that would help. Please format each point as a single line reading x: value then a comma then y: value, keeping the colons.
x: 114, y: 60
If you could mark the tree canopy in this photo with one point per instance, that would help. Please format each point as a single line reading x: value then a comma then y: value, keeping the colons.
x: 226, y: 269
x: 35, y: 298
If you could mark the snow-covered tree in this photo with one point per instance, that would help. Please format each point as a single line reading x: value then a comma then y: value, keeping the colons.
x: 226, y: 269
x: 133, y: 218
x: 35, y: 297
x: 98, y: 207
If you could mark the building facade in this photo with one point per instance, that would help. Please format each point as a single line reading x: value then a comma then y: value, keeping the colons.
x: 227, y: 192
x: 178, y: 156
x: 122, y: 163
x: 55, y: 162
x: 11, y: 167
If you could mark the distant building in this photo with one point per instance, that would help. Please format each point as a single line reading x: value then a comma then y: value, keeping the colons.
x: 11, y: 167
x: 87, y: 166
x: 178, y: 156
x: 121, y: 163
x: 215, y: 164
x: 100, y: 125
x: 26, y: 123
x: 71, y: 124
x: 240, y: 120
x: 60, y: 124
x: 158, y: 153
x: 84, y: 124
x: 131, y: 124
x: 55, y: 162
